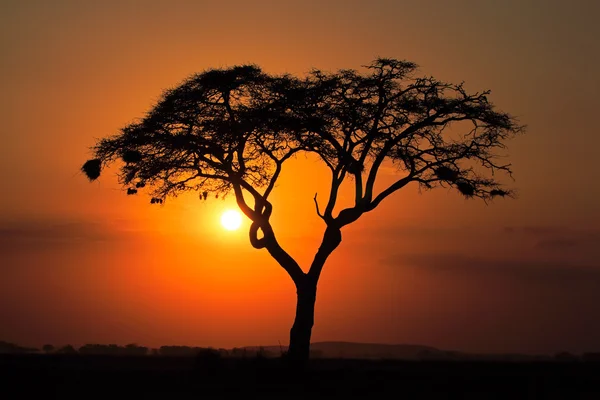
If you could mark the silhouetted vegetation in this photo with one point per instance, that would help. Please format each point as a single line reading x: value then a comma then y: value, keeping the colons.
x: 11, y: 348
x: 319, y: 350
x: 231, y: 131
x: 68, y: 349
x: 113, y: 349
x: 179, y: 351
x: 48, y: 348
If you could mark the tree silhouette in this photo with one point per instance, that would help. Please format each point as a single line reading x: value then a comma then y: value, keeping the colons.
x: 231, y: 130
x: 48, y: 348
x: 68, y: 349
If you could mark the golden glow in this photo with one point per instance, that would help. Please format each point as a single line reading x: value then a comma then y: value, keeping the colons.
x: 231, y: 220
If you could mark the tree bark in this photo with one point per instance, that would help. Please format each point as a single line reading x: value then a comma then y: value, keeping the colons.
x: 299, y: 349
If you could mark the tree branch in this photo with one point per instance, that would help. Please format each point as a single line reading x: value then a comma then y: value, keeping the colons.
x: 274, y: 178
x: 255, y: 241
x: 241, y: 202
x: 278, y: 163
x: 384, y: 153
x: 317, y: 207
x: 358, y: 188
x: 391, y: 189
x: 269, y: 242
x: 336, y: 180
x: 331, y: 240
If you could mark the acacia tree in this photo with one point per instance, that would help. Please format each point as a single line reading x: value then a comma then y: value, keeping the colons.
x: 231, y: 130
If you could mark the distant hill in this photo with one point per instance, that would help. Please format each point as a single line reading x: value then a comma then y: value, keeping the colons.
x: 372, y: 350
x: 360, y: 350
x: 377, y: 351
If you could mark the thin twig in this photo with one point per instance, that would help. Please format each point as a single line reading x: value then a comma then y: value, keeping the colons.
x: 317, y: 207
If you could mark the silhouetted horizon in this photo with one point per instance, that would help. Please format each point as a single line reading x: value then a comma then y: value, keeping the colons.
x: 324, y: 349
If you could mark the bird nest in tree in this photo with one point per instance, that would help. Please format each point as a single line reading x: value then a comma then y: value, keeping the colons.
x: 446, y: 173
x: 91, y: 168
x: 466, y: 188
x: 132, y: 156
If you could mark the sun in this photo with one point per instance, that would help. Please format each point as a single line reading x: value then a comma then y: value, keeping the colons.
x: 231, y: 220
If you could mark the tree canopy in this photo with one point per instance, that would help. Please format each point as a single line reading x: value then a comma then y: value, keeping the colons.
x: 232, y: 129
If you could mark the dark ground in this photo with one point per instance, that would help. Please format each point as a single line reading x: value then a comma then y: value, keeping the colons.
x: 158, y: 377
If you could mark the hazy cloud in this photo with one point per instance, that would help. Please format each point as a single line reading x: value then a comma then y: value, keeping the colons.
x: 522, y: 270
x: 557, y: 244
x: 556, y: 238
x: 535, y: 230
x: 41, y: 234
x: 36, y: 230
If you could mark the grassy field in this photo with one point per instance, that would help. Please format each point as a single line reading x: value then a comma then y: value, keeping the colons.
x: 158, y: 377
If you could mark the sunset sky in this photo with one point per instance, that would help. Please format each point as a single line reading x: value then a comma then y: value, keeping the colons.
x: 83, y: 263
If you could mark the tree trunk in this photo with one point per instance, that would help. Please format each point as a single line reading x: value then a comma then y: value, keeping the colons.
x: 306, y: 289
x: 298, y: 352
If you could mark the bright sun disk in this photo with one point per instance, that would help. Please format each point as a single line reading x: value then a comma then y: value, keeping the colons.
x: 231, y: 220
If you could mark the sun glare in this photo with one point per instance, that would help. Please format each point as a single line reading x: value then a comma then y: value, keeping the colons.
x: 231, y: 220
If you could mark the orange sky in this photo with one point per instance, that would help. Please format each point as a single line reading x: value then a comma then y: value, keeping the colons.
x: 83, y: 263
